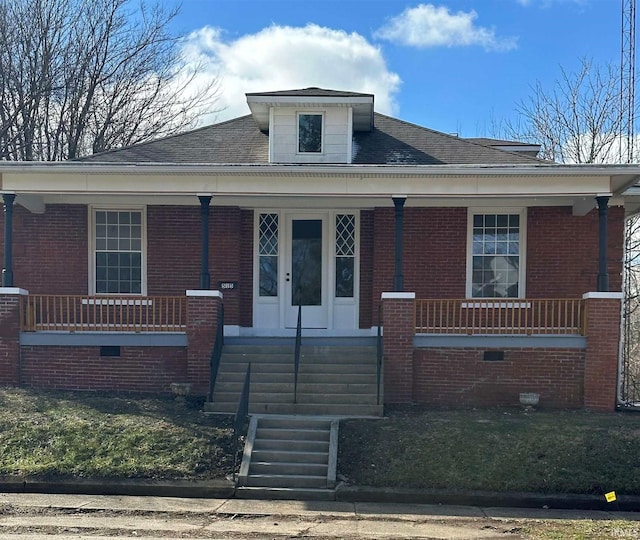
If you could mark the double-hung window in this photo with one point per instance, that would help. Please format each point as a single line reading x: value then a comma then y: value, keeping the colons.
x: 118, y: 251
x: 496, y: 254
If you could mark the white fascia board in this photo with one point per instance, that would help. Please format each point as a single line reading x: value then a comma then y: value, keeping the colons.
x: 337, y: 180
x: 94, y: 168
x: 296, y: 101
x: 305, y: 185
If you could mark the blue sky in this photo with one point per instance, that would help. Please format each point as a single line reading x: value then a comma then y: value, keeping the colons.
x: 455, y: 66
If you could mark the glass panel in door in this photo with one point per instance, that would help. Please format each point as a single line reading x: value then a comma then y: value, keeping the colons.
x: 306, y: 262
x: 306, y: 278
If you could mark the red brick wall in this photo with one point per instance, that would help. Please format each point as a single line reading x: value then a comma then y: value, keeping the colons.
x: 562, y: 252
x: 50, y: 250
x: 459, y: 377
x: 368, y: 307
x: 173, y: 248
x: 138, y: 369
x: 245, y: 294
x: 435, y: 242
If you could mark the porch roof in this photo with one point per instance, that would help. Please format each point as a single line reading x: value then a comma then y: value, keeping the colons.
x: 37, y: 184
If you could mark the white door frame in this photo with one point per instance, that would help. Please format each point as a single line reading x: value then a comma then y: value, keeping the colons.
x: 269, y: 313
x: 312, y: 316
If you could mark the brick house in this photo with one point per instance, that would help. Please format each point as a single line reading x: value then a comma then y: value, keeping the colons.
x: 491, y: 272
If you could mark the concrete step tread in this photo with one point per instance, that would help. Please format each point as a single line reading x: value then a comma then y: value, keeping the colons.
x: 303, y: 398
x: 293, y: 434
x: 288, y: 453
x: 278, y: 445
x: 289, y: 463
x: 288, y: 476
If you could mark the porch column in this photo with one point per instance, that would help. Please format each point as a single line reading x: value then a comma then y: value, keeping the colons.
x: 203, y: 308
x: 398, y: 316
x: 603, y: 214
x: 205, y: 279
x: 10, y: 299
x: 602, y: 330
x: 398, y: 276
x: 7, y: 271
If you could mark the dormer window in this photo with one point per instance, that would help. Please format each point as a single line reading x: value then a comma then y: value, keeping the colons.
x: 309, y: 133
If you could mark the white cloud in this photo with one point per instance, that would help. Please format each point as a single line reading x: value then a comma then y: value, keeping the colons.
x: 285, y: 58
x: 430, y: 26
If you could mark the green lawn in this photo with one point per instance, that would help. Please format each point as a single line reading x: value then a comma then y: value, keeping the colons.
x: 67, y: 434
x: 497, y: 450
x: 82, y: 434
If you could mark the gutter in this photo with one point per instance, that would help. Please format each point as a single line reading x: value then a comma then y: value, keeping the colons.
x: 334, y: 170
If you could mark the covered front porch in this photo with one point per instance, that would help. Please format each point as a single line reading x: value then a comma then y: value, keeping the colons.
x: 493, y: 266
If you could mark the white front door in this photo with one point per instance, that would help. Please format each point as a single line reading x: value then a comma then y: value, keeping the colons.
x: 306, y: 283
x: 308, y: 259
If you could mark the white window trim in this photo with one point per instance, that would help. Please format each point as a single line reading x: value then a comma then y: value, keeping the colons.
x: 522, y: 212
x: 92, y: 246
x: 256, y: 256
x: 356, y: 257
x: 322, y: 145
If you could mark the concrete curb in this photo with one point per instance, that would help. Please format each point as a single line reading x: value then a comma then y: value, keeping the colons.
x: 209, y: 489
x: 565, y: 501
x: 225, y: 489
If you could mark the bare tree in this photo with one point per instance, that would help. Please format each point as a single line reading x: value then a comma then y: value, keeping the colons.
x: 78, y: 77
x: 577, y: 121
x: 580, y: 120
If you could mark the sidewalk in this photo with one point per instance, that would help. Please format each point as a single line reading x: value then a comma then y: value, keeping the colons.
x: 313, y: 519
x: 237, y: 507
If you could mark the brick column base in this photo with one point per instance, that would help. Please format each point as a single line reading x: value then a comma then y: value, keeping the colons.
x: 202, y: 320
x: 398, y: 316
x: 602, y: 329
x: 10, y: 335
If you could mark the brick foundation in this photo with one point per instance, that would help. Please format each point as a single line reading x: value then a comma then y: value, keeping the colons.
x: 452, y: 377
x: 137, y: 369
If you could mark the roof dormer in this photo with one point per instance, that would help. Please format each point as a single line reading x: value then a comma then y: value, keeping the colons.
x: 312, y: 125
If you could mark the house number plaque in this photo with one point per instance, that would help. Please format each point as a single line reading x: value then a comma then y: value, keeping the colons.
x: 227, y: 285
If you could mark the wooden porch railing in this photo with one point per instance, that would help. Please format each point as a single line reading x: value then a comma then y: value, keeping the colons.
x: 103, y: 313
x: 501, y: 316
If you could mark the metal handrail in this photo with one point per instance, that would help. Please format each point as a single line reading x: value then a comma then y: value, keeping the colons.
x: 510, y: 316
x: 241, y: 414
x: 379, y: 353
x: 296, y: 354
x: 216, y: 353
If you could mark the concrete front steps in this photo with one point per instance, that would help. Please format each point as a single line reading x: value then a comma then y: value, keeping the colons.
x: 289, y: 457
x: 335, y: 378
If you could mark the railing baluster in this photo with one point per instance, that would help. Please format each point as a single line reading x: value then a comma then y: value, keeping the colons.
x: 500, y: 316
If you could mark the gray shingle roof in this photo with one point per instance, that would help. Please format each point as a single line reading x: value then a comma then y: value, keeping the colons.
x: 239, y: 141
x: 497, y: 142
